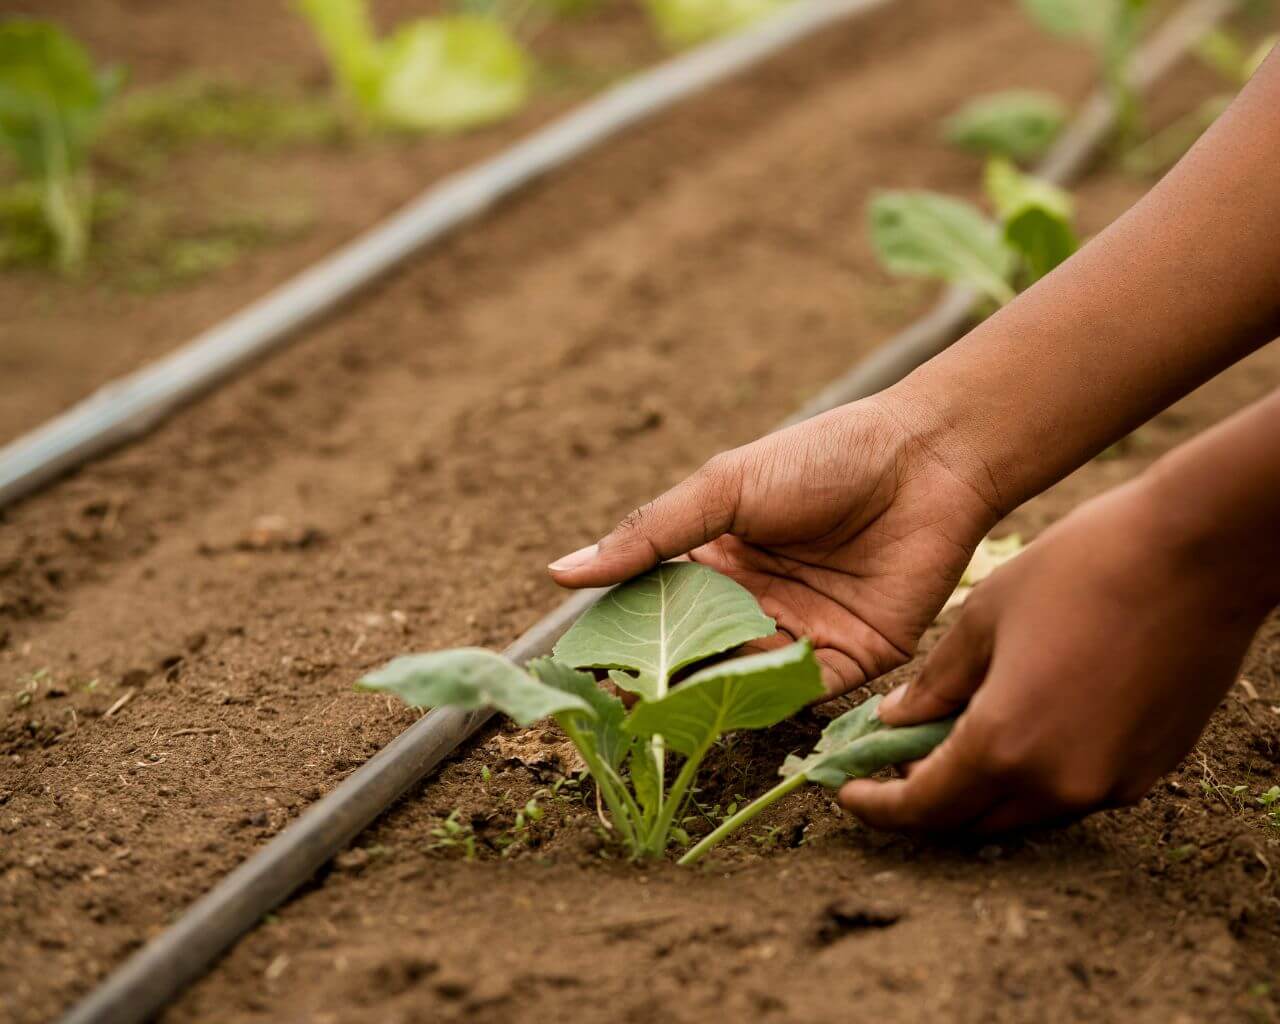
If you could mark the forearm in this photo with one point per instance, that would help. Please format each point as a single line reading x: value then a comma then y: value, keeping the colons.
x: 1180, y: 287
x: 1215, y: 507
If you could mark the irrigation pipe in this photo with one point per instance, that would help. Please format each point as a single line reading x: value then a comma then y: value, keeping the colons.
x: 145, y: 984
x: 133, y: 405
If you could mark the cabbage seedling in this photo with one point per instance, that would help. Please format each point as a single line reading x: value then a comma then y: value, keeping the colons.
x: 51, y: 105
x: 925, y: 234
x: 1019, y: 124
x: 643, y: 633
x: 434, y: 74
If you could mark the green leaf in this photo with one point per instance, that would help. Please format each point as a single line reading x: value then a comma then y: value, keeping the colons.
x: 661, y: 621
x: 1084, y: 18
x: 644, y: 776
x: 346, y: 34
x: 682, y: 22
x: 923, y: 234
x: 470, y: 678
x: 450, y: 73
x: 742, y: 693
x: 1019, y: 124
x: 51, y: 98
x: 1036, y: 216
x: 603, y: 726
x: 858, y: 744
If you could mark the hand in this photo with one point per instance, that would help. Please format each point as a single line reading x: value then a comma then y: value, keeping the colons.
x: 1089, y: 665
x: 848, y: 528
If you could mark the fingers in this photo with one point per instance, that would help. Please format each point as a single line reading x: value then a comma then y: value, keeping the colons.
x: 952, y: 672
x: 693, y: 512
x: 949, y: 789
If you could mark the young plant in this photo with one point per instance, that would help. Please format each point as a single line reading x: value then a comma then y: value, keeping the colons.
x: 1112, y: 28
x: 924, y: 234
x: 853, y: 746
x: 1019, y: 124
x: 435, y: 74
x: 51, y: 104
x: 684, y: 22
x: 1232, y: 59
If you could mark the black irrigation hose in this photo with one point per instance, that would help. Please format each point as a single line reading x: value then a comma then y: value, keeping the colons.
x: 146, y: 983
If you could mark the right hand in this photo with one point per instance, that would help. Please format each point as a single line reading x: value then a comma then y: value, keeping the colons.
x: 848, y: 528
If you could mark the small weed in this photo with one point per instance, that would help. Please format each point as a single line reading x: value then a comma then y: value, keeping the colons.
x: 452, y: 834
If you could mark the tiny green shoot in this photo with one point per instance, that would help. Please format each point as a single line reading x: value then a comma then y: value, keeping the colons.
x: 441, y: 74
x: 52, y: 101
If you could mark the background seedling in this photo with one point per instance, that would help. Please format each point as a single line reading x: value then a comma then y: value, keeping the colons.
x: 925, y: 234
x: 52, y: 100
x: 435, y: 74
x: 683, y: 22
x: 1019, y: 124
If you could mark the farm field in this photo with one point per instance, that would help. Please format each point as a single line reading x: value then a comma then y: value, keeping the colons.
x: 181, y: 622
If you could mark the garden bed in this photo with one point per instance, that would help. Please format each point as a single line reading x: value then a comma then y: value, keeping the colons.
x: 182, y: 622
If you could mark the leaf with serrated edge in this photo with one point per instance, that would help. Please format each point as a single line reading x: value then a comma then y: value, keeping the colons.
x: 469, y: 678
x: 661, y: 621
x: 604, y: 725
x: 743, y: 693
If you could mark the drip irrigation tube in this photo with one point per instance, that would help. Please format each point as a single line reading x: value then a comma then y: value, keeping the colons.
x: 132, y: 406
x: 145, y: 984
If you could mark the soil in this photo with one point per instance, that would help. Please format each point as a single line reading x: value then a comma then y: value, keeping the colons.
x: 180, y: 623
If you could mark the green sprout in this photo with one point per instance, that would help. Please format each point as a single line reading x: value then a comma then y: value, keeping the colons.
x: 52, y: 101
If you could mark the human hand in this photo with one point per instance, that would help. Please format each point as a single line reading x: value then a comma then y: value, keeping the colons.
x: 849, y: 529
x: 1089, y: 666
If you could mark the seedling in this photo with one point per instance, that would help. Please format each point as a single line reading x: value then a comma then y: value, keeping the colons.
x: 684, y: 22
x: 1232, y: 59
x: 1019, y: 124
x: 1112, y: 29
x: 643, y: 634
x: 925, y: 234
x: 51, y: 105
x: 435, y: 74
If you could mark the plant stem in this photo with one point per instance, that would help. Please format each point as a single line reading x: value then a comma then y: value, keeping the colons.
x: 601, y: 772
x: 735, y: 822
x: 657, y: 839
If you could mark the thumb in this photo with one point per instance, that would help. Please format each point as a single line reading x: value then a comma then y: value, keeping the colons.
x: 696, y: 511
x: 952, y: 672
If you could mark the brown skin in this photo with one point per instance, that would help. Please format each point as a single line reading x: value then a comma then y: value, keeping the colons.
x: 1087, y: 667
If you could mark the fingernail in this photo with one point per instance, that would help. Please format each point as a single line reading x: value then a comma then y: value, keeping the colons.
x: 893, y: 699
x: 574, y: 561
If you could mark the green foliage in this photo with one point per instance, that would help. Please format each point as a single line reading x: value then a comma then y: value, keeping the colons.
x: 1019, y: 124
x: 683, y: 22
x: 852, y: 746
x: 675, y: 616
x: 1036, y: 217
x: 51, y: 104
x: 924, y: 234
x: 440, y: 74
x: 1112, y: 28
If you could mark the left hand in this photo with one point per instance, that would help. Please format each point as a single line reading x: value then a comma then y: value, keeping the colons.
x: 1089, y: 666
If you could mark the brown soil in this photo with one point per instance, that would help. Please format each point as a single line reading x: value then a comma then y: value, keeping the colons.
x: 180, y: 623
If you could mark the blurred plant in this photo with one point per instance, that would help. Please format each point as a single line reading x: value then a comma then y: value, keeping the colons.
x: 435, y: 74
x: 1235, y: 61
x: 925, y: 234
x: 1019, y: 124
x: 51, y: 104
x: 1112, y: 28
x: 682, y: 22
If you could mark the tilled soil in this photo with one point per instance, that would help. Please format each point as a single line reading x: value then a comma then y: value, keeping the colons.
x: 181, y: 623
